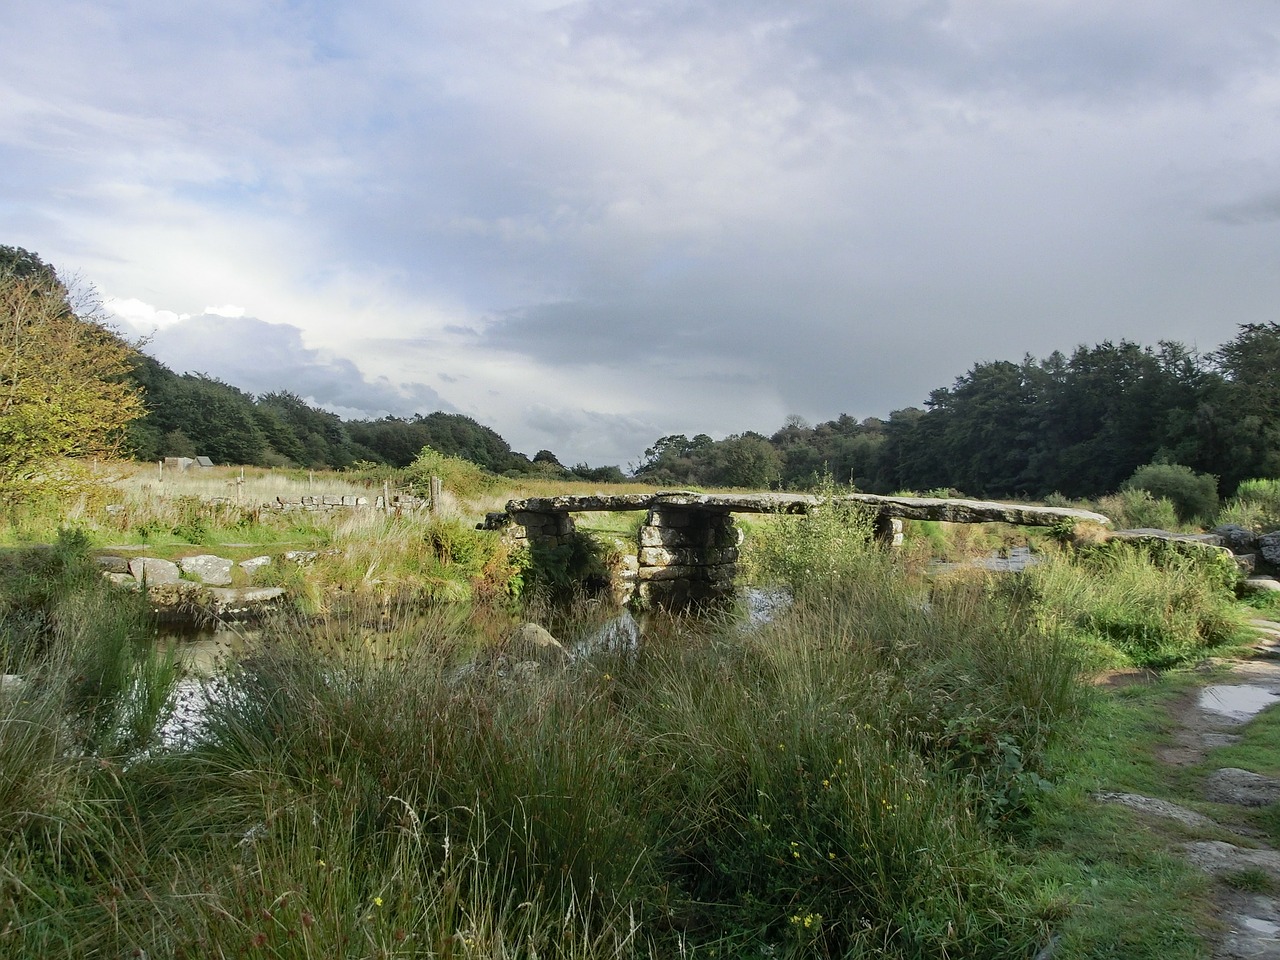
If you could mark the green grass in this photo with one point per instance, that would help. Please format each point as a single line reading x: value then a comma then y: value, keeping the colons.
x: 894, y: 767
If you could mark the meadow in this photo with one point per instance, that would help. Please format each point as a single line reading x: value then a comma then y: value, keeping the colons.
x: 896, y: 764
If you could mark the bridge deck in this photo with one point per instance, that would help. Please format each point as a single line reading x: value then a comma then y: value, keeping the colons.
x: 949, y: 510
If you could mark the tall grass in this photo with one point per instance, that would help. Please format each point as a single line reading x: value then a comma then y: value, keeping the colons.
x: 838, y: 784
x: 1146, y: 604
x: 1255, y: 506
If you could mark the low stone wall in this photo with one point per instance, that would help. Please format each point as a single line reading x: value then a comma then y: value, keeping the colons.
x: 326, y: 503
x: 544, y: 529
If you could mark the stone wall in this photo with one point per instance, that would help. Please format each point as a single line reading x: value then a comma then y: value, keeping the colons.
x: 327, y: 503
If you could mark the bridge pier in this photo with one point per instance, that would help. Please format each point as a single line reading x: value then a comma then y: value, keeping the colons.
x: 540, y: 530
x: 687, y: 555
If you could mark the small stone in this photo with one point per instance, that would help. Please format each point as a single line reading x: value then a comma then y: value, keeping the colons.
x: 301, y: 557
x: 254, y: 564
x: 112, y: 564
x: 12, y: 685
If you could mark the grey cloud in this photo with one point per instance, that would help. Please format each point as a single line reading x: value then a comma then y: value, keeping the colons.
x: 261, y: 357
x: 578, y: 436
x: 1261, y: 209
x: 746, y: 205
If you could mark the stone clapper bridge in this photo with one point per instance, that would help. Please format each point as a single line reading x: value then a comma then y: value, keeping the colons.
x: 689, y: 545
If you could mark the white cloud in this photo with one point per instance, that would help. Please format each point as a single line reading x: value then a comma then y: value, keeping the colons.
x: 228, y: 310
x: 143, y: 318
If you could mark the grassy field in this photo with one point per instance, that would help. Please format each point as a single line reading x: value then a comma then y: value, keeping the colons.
x: 896, y: 765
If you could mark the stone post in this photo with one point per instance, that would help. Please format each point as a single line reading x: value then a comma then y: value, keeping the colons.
x: 687, y: 555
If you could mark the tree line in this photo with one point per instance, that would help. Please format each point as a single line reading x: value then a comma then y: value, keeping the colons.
x: 1075, y: 425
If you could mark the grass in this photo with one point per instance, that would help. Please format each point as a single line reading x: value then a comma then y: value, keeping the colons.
x: 707, y: 791
x: 895, y: 766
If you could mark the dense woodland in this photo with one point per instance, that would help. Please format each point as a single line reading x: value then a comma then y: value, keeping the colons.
x: 1075, y: 425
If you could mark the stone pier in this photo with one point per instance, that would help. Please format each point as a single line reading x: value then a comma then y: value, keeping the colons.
x: 686, y: 555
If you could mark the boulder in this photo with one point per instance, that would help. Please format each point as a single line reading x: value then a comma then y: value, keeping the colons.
x: 531, y: 642
x: 1269, y: 547
x: 1260, y: 584
x: 208, y: 569
x: 154, y: 570
x: 1236, y: 538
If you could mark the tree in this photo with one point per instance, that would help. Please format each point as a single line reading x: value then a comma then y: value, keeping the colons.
x: 747, y: 461
x: 64, y: 387
x: 1241, y: 422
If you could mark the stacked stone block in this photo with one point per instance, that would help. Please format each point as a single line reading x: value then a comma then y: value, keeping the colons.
x: 686, y: 556
x: 328, y: 503
x: 542, y: 530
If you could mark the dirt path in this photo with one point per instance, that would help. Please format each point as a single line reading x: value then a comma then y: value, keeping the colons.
x: 1246, y: 870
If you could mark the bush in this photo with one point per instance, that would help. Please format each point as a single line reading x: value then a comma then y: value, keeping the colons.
x: 1194, y: 495
x: 802, y: 552
x: 462, y: 478
x: 1138, y: 509
x: 1255, y: 506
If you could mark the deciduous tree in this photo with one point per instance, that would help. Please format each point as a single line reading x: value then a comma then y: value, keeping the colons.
x: 64, y: 388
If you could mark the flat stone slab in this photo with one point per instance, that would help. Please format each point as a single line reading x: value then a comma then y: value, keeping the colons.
x: 1260, y: 584
x: 208, y: 569
x: 154, y: 570
x: 948, y: 510
x: 1218, y: 857
x: 231, y: 601
x: 1204, y: 541
x: 1241, y: 787
x: 1156, y: 808
x: 111, y: 564
x: 254, y: 564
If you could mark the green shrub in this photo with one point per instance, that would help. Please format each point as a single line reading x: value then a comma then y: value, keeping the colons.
x: 1255, y: 506
x: 829, y: 543
x: 460, y: 477
x: 1194, y: 495
x: 1137, y: 509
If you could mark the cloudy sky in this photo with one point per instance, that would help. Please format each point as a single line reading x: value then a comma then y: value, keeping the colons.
x: 591, y: 224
